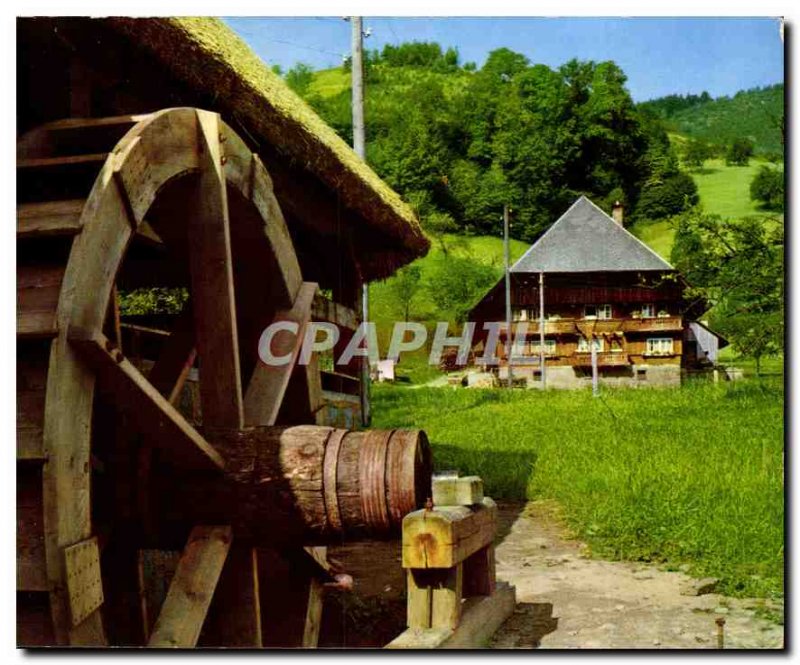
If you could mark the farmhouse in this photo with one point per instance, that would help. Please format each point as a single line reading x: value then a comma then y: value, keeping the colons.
x: 601, y: 287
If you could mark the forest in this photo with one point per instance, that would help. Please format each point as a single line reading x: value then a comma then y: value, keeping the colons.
x: 458, y: 142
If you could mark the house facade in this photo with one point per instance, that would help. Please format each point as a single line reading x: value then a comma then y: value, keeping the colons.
x: 608, y: 300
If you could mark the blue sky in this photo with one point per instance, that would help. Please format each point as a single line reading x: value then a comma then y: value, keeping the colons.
x: 659, y: 55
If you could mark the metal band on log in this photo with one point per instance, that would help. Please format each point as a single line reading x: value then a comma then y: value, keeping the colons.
x: 306, y: 483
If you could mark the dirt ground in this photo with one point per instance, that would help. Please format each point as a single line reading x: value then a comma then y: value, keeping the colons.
x: 564, y: 600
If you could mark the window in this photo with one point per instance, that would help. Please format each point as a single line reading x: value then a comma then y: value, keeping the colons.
x: 583, y: 345
x: 597, y: 311
x: 659, y: 346
x: 648, y: 311
x: 549, y: 347
x: 518, y: 314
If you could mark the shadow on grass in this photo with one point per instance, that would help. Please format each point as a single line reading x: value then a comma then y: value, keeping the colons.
x: 505, y: 473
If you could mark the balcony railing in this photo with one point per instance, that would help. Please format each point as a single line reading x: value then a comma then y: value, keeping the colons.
x: 597, y: 326
x: 604, y: 359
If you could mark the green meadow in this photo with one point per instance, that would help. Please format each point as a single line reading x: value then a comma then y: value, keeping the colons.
x: 673, y: 476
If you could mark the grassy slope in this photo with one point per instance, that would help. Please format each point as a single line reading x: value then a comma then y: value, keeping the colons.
x: 691, y: 475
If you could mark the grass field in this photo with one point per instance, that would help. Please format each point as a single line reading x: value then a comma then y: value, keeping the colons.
x: 724, y: 190
x: 693, y: 475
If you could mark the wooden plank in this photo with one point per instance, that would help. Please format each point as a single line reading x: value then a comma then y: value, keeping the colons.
x: 51, y: 218
x: 465, y: 491
x: 212, y: 285
x: 38, y: 291
x: 313, y: 620
x: 133, y: 393
x: 445, y: 536
x: 67, y: 160
x: 418, y: 595
x: 235, y: 615
x: 31, y: 563
x: 325, y: 309
x: 479, y: 573
x: 446, y: 598
x: 192, y: 588
x: 156, y: 568
x: 30, y: 424
x: 480, y: 619
x: 267, y: 386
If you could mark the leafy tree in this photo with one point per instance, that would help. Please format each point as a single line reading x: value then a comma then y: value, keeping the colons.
x: 438, y: 225
x: 740, y: 152
x: 667, y: 197
x: 736, y: 266
x: 405, y: 285
x: 455, y: 283
x: 767, y: 187
x: 696, y: 153
x: 300, y: 77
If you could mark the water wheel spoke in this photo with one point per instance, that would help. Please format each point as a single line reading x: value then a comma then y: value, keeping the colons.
x: 212, y: 285
x: 192, y: 588
x: 269, y: 382
x: 131, y: 392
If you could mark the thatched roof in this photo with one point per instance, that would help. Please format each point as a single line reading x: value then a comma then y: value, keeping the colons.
x: 586, y: 239
x: 206, y: 55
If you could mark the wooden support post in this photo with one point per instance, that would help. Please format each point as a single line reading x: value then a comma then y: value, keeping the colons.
x: 189, y: 597
x: 453, y: 598
x: 446, y: 598
x: 313, y: 614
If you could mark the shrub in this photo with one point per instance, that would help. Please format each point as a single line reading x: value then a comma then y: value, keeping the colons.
x: 767, y: 187
x: 740, y: 152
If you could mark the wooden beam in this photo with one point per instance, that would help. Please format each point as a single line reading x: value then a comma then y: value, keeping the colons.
x: 212, y: 285
x: 51, y: 218
x: 268, y: 384
x: 444, y: 537
x: 132, y: 392
x: 192, y: 588
x: 313, y: 620
x: 481, y: 617
x: 325, y: 309
x: 38, y: 291
x: 235, y: 616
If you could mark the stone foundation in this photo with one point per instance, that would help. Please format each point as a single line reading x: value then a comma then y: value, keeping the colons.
x: 571, y: 378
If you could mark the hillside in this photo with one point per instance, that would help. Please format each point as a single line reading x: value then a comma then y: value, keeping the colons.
x: 756, y: 114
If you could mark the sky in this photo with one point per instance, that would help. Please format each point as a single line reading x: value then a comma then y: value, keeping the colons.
x: 660, y: 56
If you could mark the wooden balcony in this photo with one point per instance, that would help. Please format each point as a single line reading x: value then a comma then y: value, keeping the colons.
x: 560, y: 327
x: 604, y: 359
x: 665, y: 323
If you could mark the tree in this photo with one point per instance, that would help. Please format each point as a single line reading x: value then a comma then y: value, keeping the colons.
x: 736, y: 267
x: 696, y: 153
x: 300, y: 77
x: 767, y: 187
x: 404, y: 286
x: 455, y: 283
x: 667, y: 197
x: 740, y: 152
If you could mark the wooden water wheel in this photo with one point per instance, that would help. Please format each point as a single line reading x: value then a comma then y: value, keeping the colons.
x: 115, y: 458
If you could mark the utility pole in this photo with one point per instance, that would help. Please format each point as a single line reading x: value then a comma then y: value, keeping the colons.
x: 359, y: 142
x: 509, y: 337
x: 541, y: 327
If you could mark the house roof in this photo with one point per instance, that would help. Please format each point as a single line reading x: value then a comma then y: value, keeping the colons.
x: 586, y: 239
x: 206, y: 55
